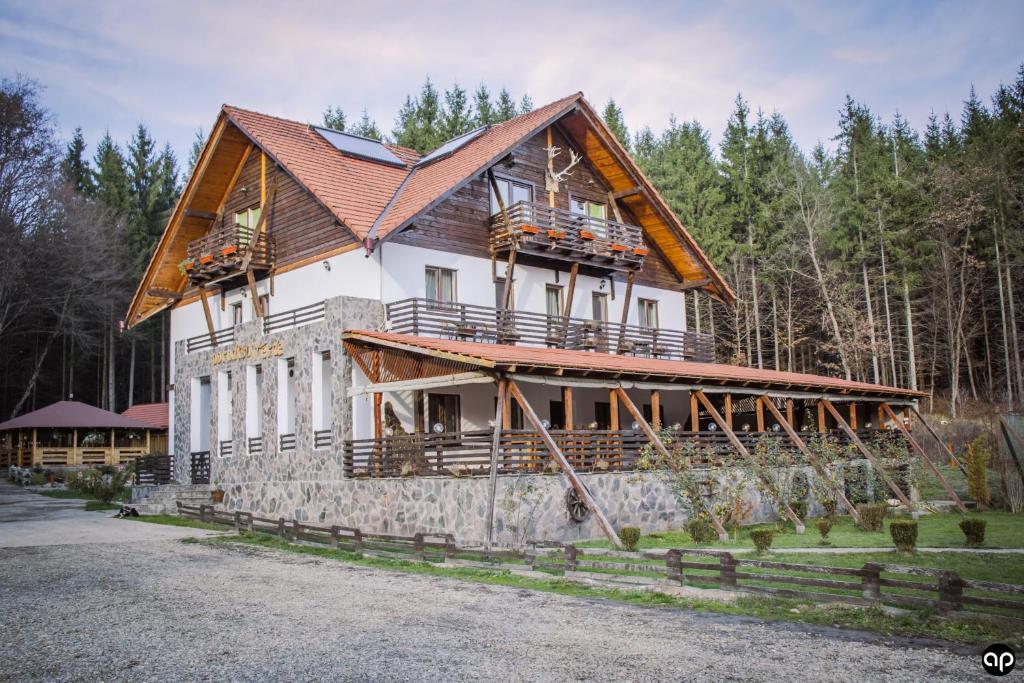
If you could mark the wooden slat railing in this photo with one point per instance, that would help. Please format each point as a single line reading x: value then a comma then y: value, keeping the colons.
x: 294, y: 318
x: 154, y: 470
x: 207, y: 341
x: 200, y: 467
x: 468, y: 322
x: 224, y: 249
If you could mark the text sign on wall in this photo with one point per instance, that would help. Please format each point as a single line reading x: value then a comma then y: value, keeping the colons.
x: 248, y: 352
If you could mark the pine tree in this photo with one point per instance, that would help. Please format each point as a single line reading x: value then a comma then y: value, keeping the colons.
x: 612, y: 116
x: 334, y: 118
x: 198, y: 143
x: 505, y: 108
x: 526, y: 104
x: 419, y: 124
x: 75, y: 167
x: 483, y: 107
x: 110, y: 177
x: 367, y: 128
x: 458, y: 114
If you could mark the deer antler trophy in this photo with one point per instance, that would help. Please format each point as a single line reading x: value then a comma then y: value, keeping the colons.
x: 553, y: 179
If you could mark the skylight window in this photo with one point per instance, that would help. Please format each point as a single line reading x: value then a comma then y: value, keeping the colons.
x: 359, y: 147
x: 451, y: 146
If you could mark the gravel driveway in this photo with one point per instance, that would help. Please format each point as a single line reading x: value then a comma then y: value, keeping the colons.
x: 166, y: 610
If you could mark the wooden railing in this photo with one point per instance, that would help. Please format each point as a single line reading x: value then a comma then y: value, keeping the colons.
x: 294, y: 318
x: 468, y: 322
x: 870, y: 584
x: 255, y: 444
x: 322, y: 438
x: 223, y: 251
x: 154, y: 470
x: 208, y: 341
x: 560, y: 234
x: 287, y: 442
x: 227, y: 447
x: 200, y: 467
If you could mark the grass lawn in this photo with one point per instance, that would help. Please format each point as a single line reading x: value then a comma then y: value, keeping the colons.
x: 99, y: 506
x: 66, y: 494
x: 1004, y: 530
x: 171, y: 520
x: 920, y: 623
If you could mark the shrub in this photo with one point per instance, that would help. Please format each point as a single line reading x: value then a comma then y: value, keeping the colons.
x: 700, y: 530
x: 872, y: 515
x: 799, y: 508
x: 974, y: 530
x: 978, y: 455
x: 630, y: 536
x: 904, y: 534
x: 824, y: 525
x: 37, y: 478
x: 829, y: 505
x: 762, y: 539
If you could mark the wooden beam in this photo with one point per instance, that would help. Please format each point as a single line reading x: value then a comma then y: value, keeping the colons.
x: 257, y: 305
x: 656, y: 409
x: 628, y: 192
x: 942, y: 443
x: 204, y: 215
x: 263, y: 179
x: 822, y: 471
x: 694, y: 417
x: 568, y: 408
x: 853, y: 417
x: 458, y: 379
x: 758, y: 470
x: 916, y: 447
x: 209, y: 316
x: 728, y: 410
x: 694, y: 284
x: 164, y: 293
x: 570, y: 291
x: 613, y: 410
x: 866, y: 452
x: 551, y: 167
x: 760, y: 414
x: 615, y: 207
x: 501, y: 202
x: 790, y: 418
x: 570, y: 473
x: 492, y: 480
x: 821, y: 417
x: 660, y: 447
x: 510, y: 273
x: 625, y: 310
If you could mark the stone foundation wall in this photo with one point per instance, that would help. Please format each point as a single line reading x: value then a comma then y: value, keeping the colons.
x: 527, y: 506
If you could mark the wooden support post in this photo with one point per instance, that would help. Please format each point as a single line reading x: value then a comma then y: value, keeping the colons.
x: 821, y: 417
x: 866, y: 452
x: 694, y: 417
x: 263, y: 179
x: 113, y: 450
x: 492, y: 481
x: 790, y: 419
x: 916, y: 447
x: 660, y: 447
x: 759, y: 411
x: 758, y: 470
x: 35, y: 459
x: 75, y: 457
x: 209, y: 316
x: 570, y: 473
x: 257, y: 305
x: 551, y: 168
x: 625, y: 311
x: 613, y: 202
x: 419, y: 412
x: 613, y: 410
x: 148, y: 442
x: 656, y: 409
x: 942, y: 443
x: 853, y: 417
x: 570, y: 290
x: 837, y: 490
x: 378, y: 426
x: 728, y: 410
x: 881, y: 417
x: 506, y: 294
x: 568, y: 408
x: 501, y: 202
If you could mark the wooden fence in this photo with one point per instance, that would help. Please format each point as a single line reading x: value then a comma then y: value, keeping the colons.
x: 871, y: 584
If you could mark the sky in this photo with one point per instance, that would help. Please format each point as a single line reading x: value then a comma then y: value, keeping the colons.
x: 109, y: 65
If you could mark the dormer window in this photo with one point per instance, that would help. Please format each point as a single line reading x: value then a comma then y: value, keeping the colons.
x: 511, y: 192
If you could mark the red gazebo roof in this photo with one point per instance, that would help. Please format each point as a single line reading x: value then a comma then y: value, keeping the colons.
x: 155, y: 414
x: 73, y: 414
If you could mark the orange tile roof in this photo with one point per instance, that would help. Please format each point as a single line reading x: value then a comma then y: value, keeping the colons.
x: 500, y: 355
x: 429, y: 185
x: 157, y: 415
x: 354, y: 190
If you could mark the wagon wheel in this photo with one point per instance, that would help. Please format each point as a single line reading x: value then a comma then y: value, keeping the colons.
x: 576, y: 506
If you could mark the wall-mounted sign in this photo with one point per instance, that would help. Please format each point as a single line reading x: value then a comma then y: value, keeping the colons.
x: 248, y: 352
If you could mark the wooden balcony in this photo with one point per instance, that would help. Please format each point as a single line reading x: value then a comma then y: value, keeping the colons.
x: 221, y: 253
x: 559, y: 234
x: 466, y: 322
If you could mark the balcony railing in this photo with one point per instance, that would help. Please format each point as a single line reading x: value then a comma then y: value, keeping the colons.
x: 255, y: 445
x: 561, y: 234
x: 200, y: 470
x: 467, y: 322
x: 223, y: 250
x: 295, y: 317
x: 287, y: 442
x: 208, y: 341
x: 469, y: 453
x: 322, y: 438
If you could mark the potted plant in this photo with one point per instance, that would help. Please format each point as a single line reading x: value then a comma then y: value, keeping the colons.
x: 619, y: 247
x: 229, y: 250
x: 641, y: 251
x: 217, y: 495
x: 206, y: 258
x: 586, y: 235
x: 531, y: 229
x: 556, y: 234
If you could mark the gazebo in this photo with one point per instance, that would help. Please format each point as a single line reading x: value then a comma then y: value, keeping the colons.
x: 70, y: 433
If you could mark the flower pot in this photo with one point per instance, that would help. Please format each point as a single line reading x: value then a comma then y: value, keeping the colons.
x: 619, y: 247
x: 556, y: 234
x: 190, y: 265
x: 586, y: 235
x: 229, y: 250
x: 531, y: 229
x: 206, y: 258
x: 217, y: 496
x: 641, y: 251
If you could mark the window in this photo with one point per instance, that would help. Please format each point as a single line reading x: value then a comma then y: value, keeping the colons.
x: 322, y: 395
x: 556, y: 411
x: 648, y: 310
x: 253, y: 396
x: 592, y: 210
x: 224, y: 412
x: 553, y: 300
x: 247, y: 220
x: 286, y: 396
x: 499, y: 294
x: 236, y: 313
x: 511, y: 192
x: 200, y: 418
x: 440, y: 285
x: 600, y: 306
x: 445, y: 410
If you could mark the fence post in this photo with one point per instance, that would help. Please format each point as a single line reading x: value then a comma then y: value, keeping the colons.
x: 449, y: 547
x: 357, y: 540
x: 202, y: 512
x: 334, y: 537
x: 727, y: 571
x: 673, y: 560
x: 295, y: 530
x: 871, y: 589
x: 417, y: 540
x: 570, y: 557
x: 238, y: 520
x: 951, y: 591
x: 280, y: 527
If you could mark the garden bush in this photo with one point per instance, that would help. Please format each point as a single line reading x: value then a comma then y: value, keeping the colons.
x: 701, y: 530
x: 799, y: 508
x: 824, y: 525
x: 630, y: 536
x: 37, y: 479
x: 978, y: 455
x: 762, y: 539
x: 872, y: 515
x: 829, y: 506
x: 974, y: 530
x: 904, y: 534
